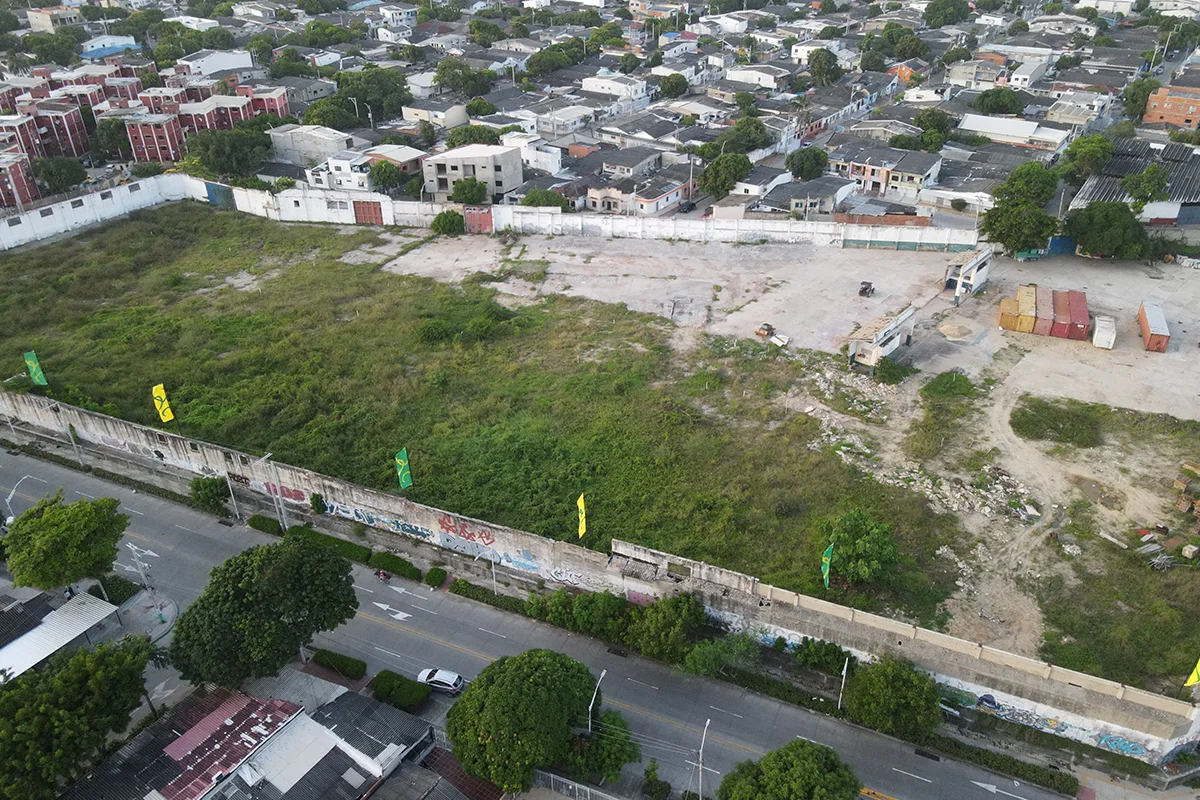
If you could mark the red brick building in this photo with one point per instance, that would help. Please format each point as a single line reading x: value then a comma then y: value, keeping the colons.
x: 17, y: 187
x: 23, y: 130
x: 155, y: 137
x: 60, y: 127
x: 163, y: 99
x: 122, y: 87
x: 217, y: 113
x: 266, y: 99
x: 1177, y: 104
x: 8, y: 97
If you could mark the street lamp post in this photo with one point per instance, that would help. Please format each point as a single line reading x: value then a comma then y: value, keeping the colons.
x: 12, y: 494
x: 701, y: 760
x: 603, y: 672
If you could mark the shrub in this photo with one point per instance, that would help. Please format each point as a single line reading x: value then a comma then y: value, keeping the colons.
x: 209, y: 494
x: 656, y: 788
x: 347, y: 667
x: 119, y: 589
x: 958, y: 204
x: 824, y: 656
x: 664, y: 629
x: 779, y: 689
x: 317, y: 503
x: 448, y: 223
x: 1069, y: 422
x: 401, y: 692
x: 1062, y: 782
x: 470, y: 591
x: 350, y: 550
x: 395, y: 565
x: 265, y: 524
x: 435, y: 577
x: 892, y: 372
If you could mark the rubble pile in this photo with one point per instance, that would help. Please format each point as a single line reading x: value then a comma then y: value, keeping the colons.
x: 993, y: 493
x: 853, y: 393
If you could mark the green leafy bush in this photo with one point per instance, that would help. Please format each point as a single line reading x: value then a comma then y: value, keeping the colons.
x: 470, y: 591
x: 824, y: 656
x: 395, y: 565
x: 350, y: 550
x: 448, y: 223
x: 1065, y: 422
x: 345, y: 666
x: 209, y: 494
x: 780, y: 690
x: 435, y: 577
x: 1062, y: 782
x: 119, y: 589
x: 401, y: 692
x: 315, y: 501
x: 261, y: 522
x: 892, y: 372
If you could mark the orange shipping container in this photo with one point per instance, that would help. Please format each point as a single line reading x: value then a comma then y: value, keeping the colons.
x: 1062, y: 316
x: 1009, y: 311
x: 1153, y: 322
x: 1027, y: 305
x: 1045, y: 311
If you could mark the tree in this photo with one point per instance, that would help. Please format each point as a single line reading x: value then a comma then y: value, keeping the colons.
x: 663, y: 629
x: 448, y: 223
x: 1137, y: 93
x: 910, y: 47
x: 330, y: 112
x: 55, y: 544
x: 655, y: 59
x: 386, y: 176
x: 519, y: 30
x: 59, y: 174
x: 903, y: 141
x: 485, y: 33
x: 480, y: 108
x: 714, y: 656
x: 998, y: 101
x: 426, y: 133
x: 719, y: 177
x: 1019, y: 225
x: 545, y: 198
x: 1020, y: 26
x: 472, y: 134
x: 9, y: 22
x: 1109, y: 230
x: 800, y: 770
x: 209, y: 494
x: 259, y: 608
x: 236, y: 152
x: 518, y: 715
x: 863, y: 549
x: 823, y: 66
x: 601, y: 756
x: 1147, y: 186
x: 56, y: 721
x: 146, y: 169
x: 414, y: 186
x: 470, y: 191
x: 894, y: 698
x: 955, y: 54
x: 673, y: 85
x: 872, y: 61
x: 1087, y: 155
x: 1125, y: 129
x: 1031, y: 182
x: 112, y: 139
x: 629, y: 62
x: 807, y: 163
x: 412, y: 53
x: 261, y: 46
x: 826, y: 8
x: 946, y: 12
x: 385, y: 91
x: 829, y: 32
x: 217, y: 39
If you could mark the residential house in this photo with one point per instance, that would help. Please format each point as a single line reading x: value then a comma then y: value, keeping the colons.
x: 1177, y: 103
x: 51, y: 18
x: 261, y: 11
x: 305, y: 145
x: 108, y: 44
x: 976, y: 74
x: 1027, y: 74
x: 155, y: 137
x: 1081, y: 109
x: 206, y: 62
x: 1109, y: 7
x: 1016, y: 131
x: 632, y: 162
x: 885, y: 171
x: 194, y: 23
x: 497, y: 166
x: 634, y: 92
x: 884, y: 129
x: 630, y: 196
x: 765, y: 76
x: 60, y: 127
x: 17, y: 185
x: 761, y: 180
x: 407, y: 159
x: 536, y: 153
x: 347, y: 171
x: 302, y: 92
x: 1063, y: 23
x: 396, y: 14
x: 906, y: 70
x: 34, y: 626
x: 818, y: 196
x: 444, y: 114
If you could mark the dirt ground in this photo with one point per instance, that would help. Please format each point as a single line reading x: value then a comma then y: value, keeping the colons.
x: 810, y: 294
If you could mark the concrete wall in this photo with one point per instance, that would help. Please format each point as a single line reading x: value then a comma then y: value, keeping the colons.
x: 1088, y: 709
x: 305, y: 204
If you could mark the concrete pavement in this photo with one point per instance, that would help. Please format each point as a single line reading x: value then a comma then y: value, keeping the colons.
x: 406, y: 627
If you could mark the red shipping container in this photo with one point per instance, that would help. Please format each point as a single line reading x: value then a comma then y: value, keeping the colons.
x: 1062, y: 316
x: 1045, y: 311
x: 1079, y: 316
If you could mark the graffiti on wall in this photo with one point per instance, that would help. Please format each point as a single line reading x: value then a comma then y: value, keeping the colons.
x: 151, y: 452
x: 1120, y: 745
x: 1022, y: 716
x: 639, y: 598
x: 567, y: 576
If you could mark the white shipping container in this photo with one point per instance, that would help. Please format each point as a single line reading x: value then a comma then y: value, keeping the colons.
x: 1106, y: 333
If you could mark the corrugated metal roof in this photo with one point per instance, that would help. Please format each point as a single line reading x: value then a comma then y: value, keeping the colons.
x: 307, y: 691
x: 18, y: 619
x: 57, y: 629
x: 369, y: 726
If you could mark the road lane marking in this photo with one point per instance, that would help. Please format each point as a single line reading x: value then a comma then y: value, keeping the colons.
x: 157, y: 542
x: 132, y: 511
x: 85, y: 494
x: 805, y: 738
x: 424, y: 635
x: 909, y: 774
x: 189, y: 530
x: 363, y: 588
x: 493, y: 633
x: 683, y: 725
x: 423, y: 608
x: 632, y: 680
x: 993, y: 789
x: 723, y: 711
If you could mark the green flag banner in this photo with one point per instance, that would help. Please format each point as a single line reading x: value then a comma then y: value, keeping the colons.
x: 35, y: 369
x: 402, y: 470
x: 826, y: 559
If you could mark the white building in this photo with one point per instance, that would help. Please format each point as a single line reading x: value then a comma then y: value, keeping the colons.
x: 623, y: 86
x: 344, y: 171
x: 1026, y: 74
x: 1063, y: 23
x: 1124, y: 7
x: 535, y: 152
x: 105, y: 42
x: 399, y: 14
x: 764, y: 75
x: 194, y: 23
x: 308, y: 145
x: 206, y: 62
x: 497, y: 166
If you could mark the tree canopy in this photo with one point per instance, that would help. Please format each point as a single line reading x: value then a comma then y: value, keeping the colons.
x: 946, y: 12
x: 472, y: 134
x: 1018, y: 219
x: 799, y: 770
x: 55, y: 543
x: 719, y: 177
x: 236, y: 152
x: 455, y: 74
x: 864, y: 549
x: 1137, y: 93
x: 673, y: 85
x: 1147, y: 186
x: 386, y: 176
x: 259, y: 608
x: 1001, y: 100
x: 518, y: 715
x: 1087, y: 155
x: 470, y: 191
x: 895, y: 698
x: 823, y: 66
x: 663, y: 629
x: 55, y: 721
x: 545, y: 198
x: 58, y: 173
x: 807, y: 163
x: 385, y: 91
x: 1109, y: 229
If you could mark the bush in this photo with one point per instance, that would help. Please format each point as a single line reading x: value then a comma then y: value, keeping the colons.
x: 448, y: 223
x: 780, y: 690
x: 265, y: 524
x: 395, y: 565
x: 435, y: 577
x: 958, y: 204
x: 892, y: 372
x: 655, y: 788
x: 664, y: 629
x: 1068, y: 422
x: 824, y: 656
x: 347, y: 667
x: 317, y: 504
x: 401, y: 692
x: 470, y: 591
x: 350, y: 550
x: 1062, y: 782
x: 119, y: 589
x: 209, y: 494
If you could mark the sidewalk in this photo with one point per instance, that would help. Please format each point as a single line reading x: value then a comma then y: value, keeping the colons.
x: 1108, y: 788
x: 149, y: 613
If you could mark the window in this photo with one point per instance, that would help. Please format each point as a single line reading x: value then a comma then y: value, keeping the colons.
x: 295, y: 203
x: 133, y: 187
x: 47, y: 212
x: 161, y: 439
x: 14, y: 222
x: 106, y: 195
x: 76, y: 204
x: 195, y: 447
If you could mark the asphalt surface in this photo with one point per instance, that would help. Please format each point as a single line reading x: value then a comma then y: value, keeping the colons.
x: 405, y: 626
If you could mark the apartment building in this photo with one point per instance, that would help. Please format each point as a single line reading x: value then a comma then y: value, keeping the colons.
x: 163, y: 99
x: 50, y: 19
x: 155, y: 137
x: 217, y: 113
x: 495, y: 165
x: 17, y: 186
x: 1176, y: 104
x: 267, y: 100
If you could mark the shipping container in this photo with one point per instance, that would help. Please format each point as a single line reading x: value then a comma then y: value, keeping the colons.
x: 1045, y: 311
x: 1027, y: 308
x: 1062, y: 316
x: 1153, y: 322
x: 1009, y: 311
x: 1079, y: 316
x: 1105, y: 335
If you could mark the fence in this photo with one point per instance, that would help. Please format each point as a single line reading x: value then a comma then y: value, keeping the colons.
x: 569, y: 788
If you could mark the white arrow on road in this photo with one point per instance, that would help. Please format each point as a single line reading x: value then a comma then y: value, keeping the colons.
x: 398, y: 589
x: 161, y: 692
x: 141, y: 551
x: 399, y: 615
x: 991, y: 789
x: 126, y: 567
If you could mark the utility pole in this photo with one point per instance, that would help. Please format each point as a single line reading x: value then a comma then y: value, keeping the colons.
x: 229, y: 484
x: 279, y: 490
x: 701, y: 761
x: 845, y: 669
x: 603, y: 672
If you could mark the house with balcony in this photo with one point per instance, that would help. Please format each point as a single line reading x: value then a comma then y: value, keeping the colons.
x: 347, y: 171
x: 884, y: 171
x: 497, y: 166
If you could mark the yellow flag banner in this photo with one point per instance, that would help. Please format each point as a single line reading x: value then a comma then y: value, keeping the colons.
x: 582, y: 516
x: 161, y: 404
x: 1194, y: 678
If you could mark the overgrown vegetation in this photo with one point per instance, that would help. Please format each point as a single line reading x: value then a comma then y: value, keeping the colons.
x: 402, y: 692
x: 119, y: 589
x: 947, y: 399
x: 346, y: 666
x: 332, y: 365
x: 350, y: 550
x: 395, y: 565
x: 1063, y: 421
x: 261, y: 522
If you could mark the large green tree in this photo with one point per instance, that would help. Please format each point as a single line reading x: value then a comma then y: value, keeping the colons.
x: 895, y: 698
x: 58, y: 173
x: 259, y: 608
x: 518, y: 715
x: 946, y: 12
x: 384, y: 91
x: 1018, y: 225
x: 823, y: 66
x: 386, y: 176
x: 471, y: 191
x: 1109, y: 229
x: 56, y: 721
x: 236, y: 153
x: 545, y: 198
x: 664, y: 629
x: 55, y: 543
x: 1031, y: 182
x: 1147, y: 186
x: 719, y: 177
x: 1136, y: 95
x: 864, y: 550
x: 807, y: 163
x: 999, y: 101
x: 602, y: 755
x: 673, y: 85
x: 456, y: 75
x: 1087, y: 155
x: 799, y: 770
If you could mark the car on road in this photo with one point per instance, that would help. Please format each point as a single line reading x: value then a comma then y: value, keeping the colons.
x: 686, y: 206
x: 441, y: 680
x: 1159, y: 70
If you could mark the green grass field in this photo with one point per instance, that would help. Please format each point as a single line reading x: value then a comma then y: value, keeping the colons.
x: 507, y: 415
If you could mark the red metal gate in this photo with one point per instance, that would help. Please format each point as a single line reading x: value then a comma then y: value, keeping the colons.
x: 478, y: 219
x: 367, y: 213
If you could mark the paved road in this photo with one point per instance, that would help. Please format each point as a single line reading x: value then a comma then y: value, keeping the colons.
x: 406, y: 627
